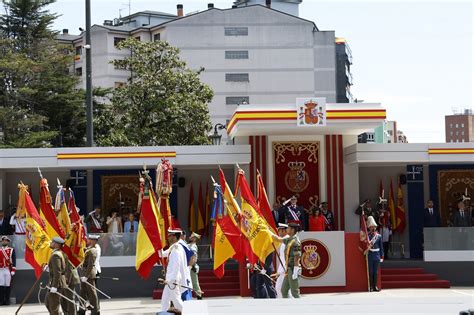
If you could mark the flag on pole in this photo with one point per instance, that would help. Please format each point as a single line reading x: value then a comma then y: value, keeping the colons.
x: 225, y: 234
x: 391, y: 206
x: 164, y: 188
x: 363, y: 235
x: 53, y: 228
x: 400, y: 211
x: 207, y: 207
x: 264, y: 205
x: 77, y: 239
x: 192, y: 222
x: 148, y: 236
x: 201, y: 213
x: 253, y: 225
x: 60, y: 207
x: 37, y: 250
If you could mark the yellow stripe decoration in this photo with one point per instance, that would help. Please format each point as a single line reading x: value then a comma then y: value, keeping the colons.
x: 451, y: 151
x: 71, y: 156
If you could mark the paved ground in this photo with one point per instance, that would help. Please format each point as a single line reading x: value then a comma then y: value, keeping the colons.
x: 395, y: 301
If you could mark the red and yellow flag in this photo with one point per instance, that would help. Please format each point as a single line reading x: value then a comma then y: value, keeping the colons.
x: 53, y: 227
x: 37, y: 251
x: 264, y: 205
x: 192, y: 219
x: 77, y: 237
x: 148, y: 236
x: 391, y: 206
x: 400, y: 223
x: 207, y: 207
x: 201, y: 213
x: 162, y: 211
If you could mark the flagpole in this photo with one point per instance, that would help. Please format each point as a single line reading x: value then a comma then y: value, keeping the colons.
x: 367, y: 271
x: 29, y: 292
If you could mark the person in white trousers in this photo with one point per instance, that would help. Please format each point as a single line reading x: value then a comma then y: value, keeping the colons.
x: 281, y: 268
x: 174, y: 273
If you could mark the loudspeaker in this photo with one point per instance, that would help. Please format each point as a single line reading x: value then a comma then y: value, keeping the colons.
x: 181, y: 182
x: 403, y: 179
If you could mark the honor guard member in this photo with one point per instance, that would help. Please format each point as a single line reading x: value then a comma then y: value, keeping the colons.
x: 375, y: 254
x: 194, y: 266
x: 72, y: 279
x: 7, y: 270
x: 57, y: 280
x: 174, y: 273
x: 292, y: 260
x: 281, y: 262
x: 89, y: 274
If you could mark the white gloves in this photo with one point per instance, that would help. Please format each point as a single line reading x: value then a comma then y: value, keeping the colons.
x: 53, y: 290
x: 263, y: 271
x: 12, y: 273
x: 46, y: 268
x: 381, y: 259
x: 296, y: 273
x: 83, y: 279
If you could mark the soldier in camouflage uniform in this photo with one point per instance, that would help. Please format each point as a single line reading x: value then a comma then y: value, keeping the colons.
x: 194, y: 266
x: 292, y: 259
x: 89, y: 274
x: 57, y: 280
x: 72, y: 279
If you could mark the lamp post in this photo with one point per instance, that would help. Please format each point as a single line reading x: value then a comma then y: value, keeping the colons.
x: 90, y: 125
x: 216, y: 137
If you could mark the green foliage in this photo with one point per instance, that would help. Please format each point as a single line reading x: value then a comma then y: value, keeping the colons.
x: 163, y: 102
x: 39, y: 103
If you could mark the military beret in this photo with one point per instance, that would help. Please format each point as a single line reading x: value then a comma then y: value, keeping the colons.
x: 58, y: 240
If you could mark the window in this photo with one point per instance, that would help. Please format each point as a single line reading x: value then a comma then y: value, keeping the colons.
x: 157, y: 37
x: 370, y: 136
x: 462, y: 125
x: 457, y: 125
x: 236, y: 31
x: 78, y: 50
x: 237, y: 54
x: 237, y: 77
x: 79, y: 71
x: 237, y: 100
x: 450, y: 125
x: 138, y: 38
x: 120, y: 67
x: 457, y: 133
x: 462, y: 133
x: 119, y: 85
x: 451, y: 133
x: 117, y: 40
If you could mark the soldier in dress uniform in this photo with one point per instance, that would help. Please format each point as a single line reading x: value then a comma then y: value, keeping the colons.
x: 72, y: 279
x: 292, y: 260
x: 375, y: 253
x: 57, y: 279
x: 194, y: 266
x: 294, y: 213
x: 281, y: 262
x: 328, y: 215
x: 89, y: 274
x: 7, y: 270
x: 175, y: 273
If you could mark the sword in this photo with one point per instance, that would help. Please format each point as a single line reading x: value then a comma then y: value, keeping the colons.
x: 61, y: 295
x: 81, y: 299
x: 259, y: 270
x: 108, y: 278
x: 163, y: 281
x: 95, y: 288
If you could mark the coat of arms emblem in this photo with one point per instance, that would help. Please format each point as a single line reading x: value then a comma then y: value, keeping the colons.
x: 311, y: 112
x: 315, y: 259
x: 296, y: 178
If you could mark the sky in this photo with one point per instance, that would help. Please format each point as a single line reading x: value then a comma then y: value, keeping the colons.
x: 414, y: 57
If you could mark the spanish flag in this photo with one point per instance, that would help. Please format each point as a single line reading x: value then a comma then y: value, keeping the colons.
x: 207, y: 207
x: 201, y: 213
x: 391, y: 206
x: 53, y: 228
x: 400, y: 211
x: 37, y: 251
x: 162, y: 221
x: 77, y: 237
x: 254, y: 227
x: 264, y: 205
x: 192, y: 220
x: 148, y: 236
x: 60, y: 207
x: 225, y: 234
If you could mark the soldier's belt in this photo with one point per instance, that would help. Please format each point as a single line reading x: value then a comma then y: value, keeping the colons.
x: 374, y: 249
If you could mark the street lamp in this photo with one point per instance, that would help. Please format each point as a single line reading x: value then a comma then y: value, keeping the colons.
x: 216, y: 137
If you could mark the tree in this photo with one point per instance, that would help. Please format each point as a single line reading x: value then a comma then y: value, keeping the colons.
x: 39, y: 103
x: 163, y: 102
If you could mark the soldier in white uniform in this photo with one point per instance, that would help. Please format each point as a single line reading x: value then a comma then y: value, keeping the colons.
x: 175, y: 273
x: 281, y: 268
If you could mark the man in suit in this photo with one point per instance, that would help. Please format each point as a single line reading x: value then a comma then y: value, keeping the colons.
x: 462, y: 217
x: 5, y: 227
x: 430, y: 215
x: 294, y: 213
x: 277, y: 213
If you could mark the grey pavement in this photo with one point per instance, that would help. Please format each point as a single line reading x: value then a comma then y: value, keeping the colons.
x: 393, y: 301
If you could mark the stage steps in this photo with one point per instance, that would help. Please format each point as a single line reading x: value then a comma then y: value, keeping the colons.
x: 213, y: 286
x: 398, y: 278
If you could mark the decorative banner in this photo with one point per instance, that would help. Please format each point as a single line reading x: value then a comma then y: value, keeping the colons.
x: 311, y: 112
x: 315, y: 259
x: 297, y: 171
x: 322, y: 260
x: 119, y: 192
x: 452, y: 186
x: 414, y: 173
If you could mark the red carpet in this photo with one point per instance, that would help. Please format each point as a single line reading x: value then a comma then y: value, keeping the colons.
x: 212, y: 286
x: 398, y: 278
